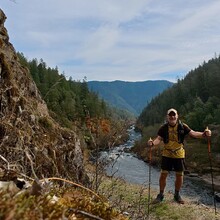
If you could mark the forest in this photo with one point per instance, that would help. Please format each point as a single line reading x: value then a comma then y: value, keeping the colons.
x: 196, y: 97
x: 70, y: 100
x: 73, y: 106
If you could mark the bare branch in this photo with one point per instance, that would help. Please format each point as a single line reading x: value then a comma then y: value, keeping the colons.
x: 87, y: 214
x: 5, y: 161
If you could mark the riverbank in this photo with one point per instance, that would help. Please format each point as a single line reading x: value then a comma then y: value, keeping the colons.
x: 197, y: 160
x: 130, y: 195
x: 132, y: 198
x: 208, y: 181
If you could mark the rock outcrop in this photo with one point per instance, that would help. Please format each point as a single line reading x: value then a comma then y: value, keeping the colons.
x: 31, y: 142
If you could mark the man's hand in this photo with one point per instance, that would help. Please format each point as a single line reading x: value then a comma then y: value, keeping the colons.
x: 207, y: 133
x: 150, y: 143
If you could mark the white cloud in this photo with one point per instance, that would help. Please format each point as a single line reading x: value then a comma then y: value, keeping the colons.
x: 132, y: 40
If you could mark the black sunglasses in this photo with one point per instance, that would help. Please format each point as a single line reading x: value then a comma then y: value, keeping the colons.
x: 172, y: 114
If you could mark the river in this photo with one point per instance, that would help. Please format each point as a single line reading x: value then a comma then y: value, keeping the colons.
x: 134, y: 170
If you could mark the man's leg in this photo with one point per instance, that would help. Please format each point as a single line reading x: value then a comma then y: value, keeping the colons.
x: 178, y: 185
x: 163, y: 177
x: 162, y: 181
x: 179, y: 181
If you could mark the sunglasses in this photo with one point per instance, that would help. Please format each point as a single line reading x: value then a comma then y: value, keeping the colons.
x: 172, y: 114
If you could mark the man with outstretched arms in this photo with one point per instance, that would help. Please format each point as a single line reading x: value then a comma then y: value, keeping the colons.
x: 172, y: 133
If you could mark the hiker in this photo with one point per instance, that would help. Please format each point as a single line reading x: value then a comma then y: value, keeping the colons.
x: 172, y: 133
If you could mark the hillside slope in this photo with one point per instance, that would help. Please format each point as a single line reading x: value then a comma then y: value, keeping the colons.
x: 133, y: 96
x: 196, y: 97
x: 29, y: 137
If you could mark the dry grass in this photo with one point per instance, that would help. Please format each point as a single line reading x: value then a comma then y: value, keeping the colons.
x: 133, y: 199
x: 116, y: 200
x: 59, y: 202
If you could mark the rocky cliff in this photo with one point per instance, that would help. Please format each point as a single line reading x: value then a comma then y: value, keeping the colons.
x: 31, y: 142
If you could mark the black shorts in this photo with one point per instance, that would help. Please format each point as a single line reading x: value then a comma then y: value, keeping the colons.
x: 169, y: 164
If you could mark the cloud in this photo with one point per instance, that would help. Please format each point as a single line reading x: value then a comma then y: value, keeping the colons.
x: 131, y: 40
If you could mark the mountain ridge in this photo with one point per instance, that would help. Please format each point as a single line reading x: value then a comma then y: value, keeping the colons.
x: 132, y: 96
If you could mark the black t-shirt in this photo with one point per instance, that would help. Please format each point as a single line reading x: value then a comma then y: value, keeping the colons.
x: 162, y: 131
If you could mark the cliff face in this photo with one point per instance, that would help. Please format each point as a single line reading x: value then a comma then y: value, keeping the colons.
x: 29, y: 138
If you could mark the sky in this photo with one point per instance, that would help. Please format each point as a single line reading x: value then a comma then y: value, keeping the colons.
x: 107, y: 40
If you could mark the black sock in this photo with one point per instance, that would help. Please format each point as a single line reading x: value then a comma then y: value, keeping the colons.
x: 161, y: 193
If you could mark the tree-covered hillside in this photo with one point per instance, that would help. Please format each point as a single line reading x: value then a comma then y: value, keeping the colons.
x: 74, y: 106
x: 196, y: 97
x: 69, y: 101
x: 132, y: 96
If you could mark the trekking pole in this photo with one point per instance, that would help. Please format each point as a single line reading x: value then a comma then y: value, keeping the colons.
x: 149, y: 183
x: 210, y: 161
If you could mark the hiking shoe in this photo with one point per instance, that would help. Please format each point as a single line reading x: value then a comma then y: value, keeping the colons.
x: 159, y: 198
x: 178, y: 199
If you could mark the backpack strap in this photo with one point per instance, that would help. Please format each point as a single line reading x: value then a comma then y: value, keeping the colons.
x: 180, y: 131
x: 166, y: 133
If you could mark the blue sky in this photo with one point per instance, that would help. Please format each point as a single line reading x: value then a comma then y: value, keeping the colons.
x: 106, y: 40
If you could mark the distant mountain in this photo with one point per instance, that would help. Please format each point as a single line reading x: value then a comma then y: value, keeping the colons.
x: 132, y: 96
